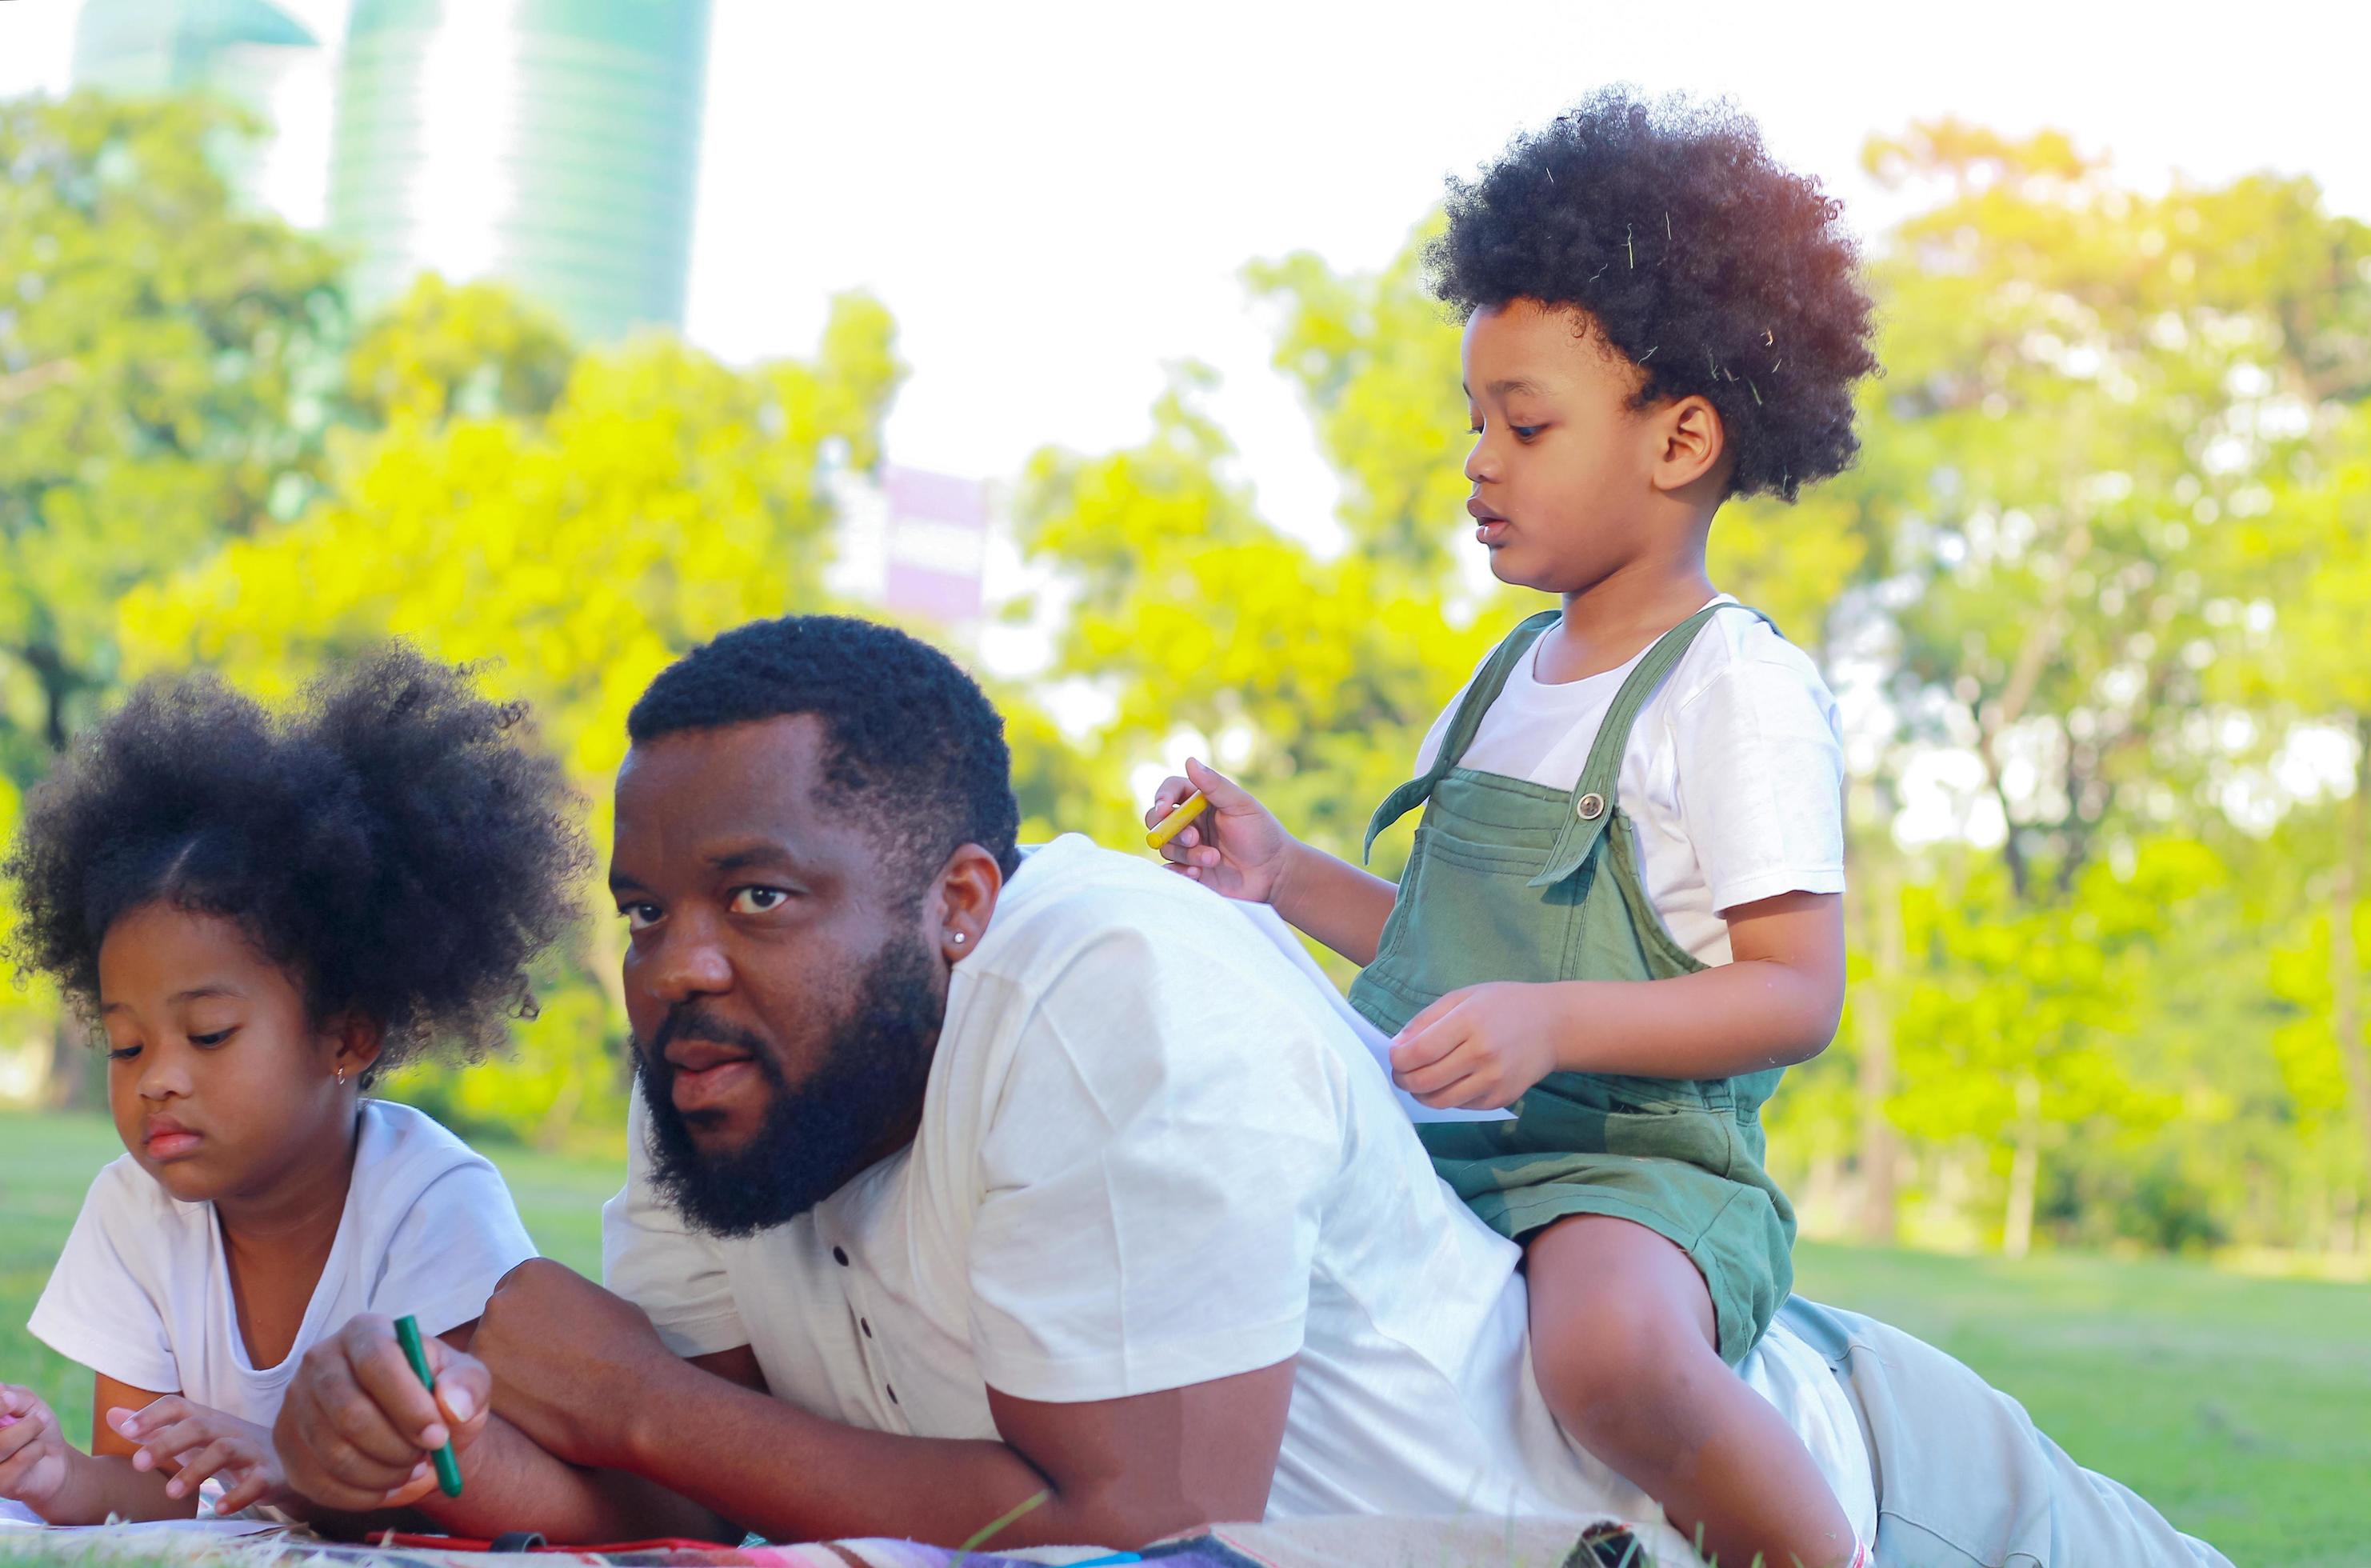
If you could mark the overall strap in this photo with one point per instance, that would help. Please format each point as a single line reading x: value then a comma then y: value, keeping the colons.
x: 1593, y: 796
x: 1487, y: 683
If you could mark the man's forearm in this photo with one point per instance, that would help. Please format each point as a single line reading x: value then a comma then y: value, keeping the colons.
x: 509, y: 1483
x: 1340, y: 905
x: 792, y: 1476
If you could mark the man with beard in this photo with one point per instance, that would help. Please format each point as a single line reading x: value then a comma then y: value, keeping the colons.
x: 963, y: 1184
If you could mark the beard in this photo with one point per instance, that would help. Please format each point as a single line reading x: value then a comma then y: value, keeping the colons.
x: 815, y: 1137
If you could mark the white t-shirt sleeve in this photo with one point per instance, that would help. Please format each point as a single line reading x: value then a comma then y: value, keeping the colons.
x: 662, y: 1265
x: 459, y: 1237
x: 1153, y: 1175
x: 1760, y: 775
x: 99, y: 1308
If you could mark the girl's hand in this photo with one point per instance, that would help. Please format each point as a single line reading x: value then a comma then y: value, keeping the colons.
x: 1480, y: 1046
x: 202, y: 1443
x: 1236, y: 847
x: 34, y: 1454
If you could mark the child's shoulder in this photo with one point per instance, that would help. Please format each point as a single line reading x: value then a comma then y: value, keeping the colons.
x: 401, y: 1151
x: 1740, y: 652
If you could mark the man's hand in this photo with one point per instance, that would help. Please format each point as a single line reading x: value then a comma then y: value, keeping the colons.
x: 1480, y: 1046
x: 356, y: 1428
x: 573, y: 1389
x: 34, y: 1454
x: 198, y: 1442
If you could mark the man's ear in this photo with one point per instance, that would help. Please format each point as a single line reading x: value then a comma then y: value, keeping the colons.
x: 1690, y: 442
x: 962, y: 899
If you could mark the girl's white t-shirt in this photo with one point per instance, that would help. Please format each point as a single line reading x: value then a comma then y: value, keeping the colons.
x: 1733, y: 778
x: 142, y: 1293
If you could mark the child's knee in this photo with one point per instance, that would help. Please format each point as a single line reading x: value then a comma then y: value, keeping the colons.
x: 1612, y: 1348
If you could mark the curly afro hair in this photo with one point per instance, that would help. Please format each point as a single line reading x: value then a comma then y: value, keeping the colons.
x: 389, y: 841
x: 1714, y: 271
x: 916, y: 746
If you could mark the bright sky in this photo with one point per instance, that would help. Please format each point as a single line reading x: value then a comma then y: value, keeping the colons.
x: 1056, y: 199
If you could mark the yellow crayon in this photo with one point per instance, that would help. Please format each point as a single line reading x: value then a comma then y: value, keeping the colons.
x: 1169, y: 827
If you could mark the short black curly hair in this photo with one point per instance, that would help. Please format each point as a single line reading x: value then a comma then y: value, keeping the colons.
x: 915, y: 744
x: 389, y: 841
x: 1713, y: 270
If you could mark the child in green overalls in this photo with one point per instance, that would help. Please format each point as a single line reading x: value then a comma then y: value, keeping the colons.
x: 1621, y: 917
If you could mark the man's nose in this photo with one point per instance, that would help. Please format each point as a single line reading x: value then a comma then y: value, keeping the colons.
x: 688, y: 961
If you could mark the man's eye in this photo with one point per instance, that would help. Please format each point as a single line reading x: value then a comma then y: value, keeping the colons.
x: 638, y: 915
x: 757, y: 900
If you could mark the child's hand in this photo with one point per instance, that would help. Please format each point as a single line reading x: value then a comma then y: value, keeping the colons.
x: 203, y: 1443
x: 34, y: 1455
x: 1480, y: 1046
x: 1237, y: 847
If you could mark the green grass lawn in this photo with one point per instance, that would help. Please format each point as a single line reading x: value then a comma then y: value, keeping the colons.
x: 2242, y: 1407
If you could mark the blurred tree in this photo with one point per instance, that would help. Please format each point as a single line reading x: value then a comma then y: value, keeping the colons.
x: 656, y: 499
x: 168, y: 362
x: 1313, y: 678
x: 165, y: 366
x: 2295, y: 570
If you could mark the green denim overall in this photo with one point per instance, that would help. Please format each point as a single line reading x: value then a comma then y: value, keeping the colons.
x: 1511, y: 880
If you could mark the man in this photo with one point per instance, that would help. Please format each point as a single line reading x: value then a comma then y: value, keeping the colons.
x: 962, y: 1184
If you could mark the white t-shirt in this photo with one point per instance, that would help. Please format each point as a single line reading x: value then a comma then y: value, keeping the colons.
x: 1152, y: 1153
x: 1734, y: 775
x: 142, y: 1293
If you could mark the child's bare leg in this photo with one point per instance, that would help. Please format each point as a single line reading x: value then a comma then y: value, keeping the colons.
x: 1623, y: 1343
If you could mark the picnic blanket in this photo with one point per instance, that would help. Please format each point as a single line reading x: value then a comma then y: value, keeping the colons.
x: 1350, y: 1543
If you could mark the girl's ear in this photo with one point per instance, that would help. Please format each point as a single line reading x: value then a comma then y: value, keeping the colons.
x: 357, y: 1040
x: 1690, y: 443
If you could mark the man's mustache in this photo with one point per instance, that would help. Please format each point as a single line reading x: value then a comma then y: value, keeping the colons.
x: 688, y: 1023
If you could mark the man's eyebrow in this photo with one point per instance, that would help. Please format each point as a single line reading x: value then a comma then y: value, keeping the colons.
x: 755, y: 855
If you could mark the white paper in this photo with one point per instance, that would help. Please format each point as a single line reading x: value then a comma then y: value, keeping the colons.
x: 16, y: 1516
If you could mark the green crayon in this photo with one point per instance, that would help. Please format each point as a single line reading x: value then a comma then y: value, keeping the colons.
x: 407, y: 1333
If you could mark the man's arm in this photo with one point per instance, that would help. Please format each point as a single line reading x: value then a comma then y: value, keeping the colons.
x: 602, y: 1433
x: 355, y: 1428
x: 1115, y: 1472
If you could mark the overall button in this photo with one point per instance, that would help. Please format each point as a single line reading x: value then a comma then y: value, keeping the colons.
x: 1589, y: 807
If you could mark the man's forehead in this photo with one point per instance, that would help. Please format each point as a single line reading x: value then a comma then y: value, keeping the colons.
x: 765, y: 771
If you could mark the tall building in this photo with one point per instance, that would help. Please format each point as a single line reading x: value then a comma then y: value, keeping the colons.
x: 552, y: 144
x: 242, y: 50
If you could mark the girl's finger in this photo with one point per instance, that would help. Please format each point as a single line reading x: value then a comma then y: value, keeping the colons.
x: 1433, y: 1077
x: 1450, y: 1098
x: 152, y: 1417
x: 18, y: 1436
x: 1224, y: 793
x: 202, y: 1464
x: 1165, y: 798
x: 172, y: 1441
x: 1432, y: 1013
x: 1427, y: 1047
x: 249, y: 1488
